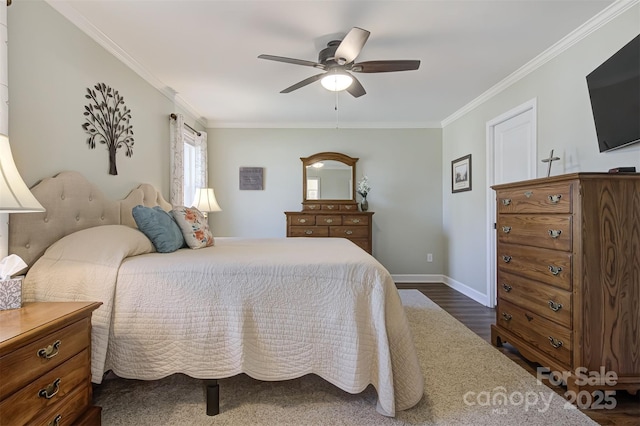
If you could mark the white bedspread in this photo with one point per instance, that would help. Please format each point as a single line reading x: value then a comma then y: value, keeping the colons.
x: 274, y: 309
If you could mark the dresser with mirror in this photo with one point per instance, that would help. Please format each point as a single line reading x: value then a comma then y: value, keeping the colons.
x: 329, y: 206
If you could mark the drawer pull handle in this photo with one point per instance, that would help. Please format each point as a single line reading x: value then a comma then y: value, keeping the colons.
x: 308, y: 232
x: 555, y: 198
x: 50, y: 351
x: 506, y: 201
x: 55, y: 421
x: 302, y: 220
x: 506, y: 316
x: 506, y: 258
x: 555, y: 270
x: 528, y: 194
x: 329, y: 220
x: 555, y: 233
x: 313, y: 207
x: 330, y: 206
x: 356, y: 221
x: 555, y: 342
x: 506, y: 287
x: 348, y: 232
x: 506, y: 229
x: 51, y: 390
x: 555, y: 306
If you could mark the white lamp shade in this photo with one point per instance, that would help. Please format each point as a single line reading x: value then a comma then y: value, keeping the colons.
x: 15, y: 196
x: 205, y: 200
x: 336, y: 81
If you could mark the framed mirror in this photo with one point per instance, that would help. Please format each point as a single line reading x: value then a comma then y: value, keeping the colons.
x: 328, y: 177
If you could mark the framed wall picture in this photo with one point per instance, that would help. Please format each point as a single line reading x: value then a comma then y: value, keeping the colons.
x: 461, y: 174
x: 251, y: 178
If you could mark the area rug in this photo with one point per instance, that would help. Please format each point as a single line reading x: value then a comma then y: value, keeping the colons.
x: 467, y: 382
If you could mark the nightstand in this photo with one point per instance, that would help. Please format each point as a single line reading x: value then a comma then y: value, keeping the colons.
x: 45, y: 364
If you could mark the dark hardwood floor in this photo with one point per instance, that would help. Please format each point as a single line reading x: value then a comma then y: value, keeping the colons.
x: 479, y: 318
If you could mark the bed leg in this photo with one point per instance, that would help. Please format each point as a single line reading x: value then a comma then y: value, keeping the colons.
x: 213, y: 397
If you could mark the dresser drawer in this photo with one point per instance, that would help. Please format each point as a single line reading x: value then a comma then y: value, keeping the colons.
x: 25, y: 363
x: 552, y: 198
x: 26, y: 403
x: 548, y: 266
x: 349, y: 207
x: 355, y: 219
x: 545, y: 231
x: 550, y: 302
x: 308, y: 231
x: 311, y: 207
x: 302, y: 219
x: 328, y: 219
x: 335, y: 207
x: 71, y: 410
x: 349, y: 231
x: 541, y: 333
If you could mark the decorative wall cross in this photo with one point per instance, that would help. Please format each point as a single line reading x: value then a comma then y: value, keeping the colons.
x: 550, y: 160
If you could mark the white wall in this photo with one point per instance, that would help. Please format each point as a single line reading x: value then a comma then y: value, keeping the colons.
x: 565, y: 123
x: 51, y: 64
x: 404, y: 167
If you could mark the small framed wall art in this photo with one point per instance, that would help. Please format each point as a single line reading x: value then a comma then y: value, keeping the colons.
x: 461, y: 174
x: 251, y: 178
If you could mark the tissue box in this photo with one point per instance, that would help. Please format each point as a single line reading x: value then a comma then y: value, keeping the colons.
x: 11, y: 293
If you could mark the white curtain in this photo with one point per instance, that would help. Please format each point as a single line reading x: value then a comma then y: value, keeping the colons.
x: 177, y: 129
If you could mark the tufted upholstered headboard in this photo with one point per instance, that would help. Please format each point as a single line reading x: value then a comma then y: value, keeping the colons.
x: 72, y: 203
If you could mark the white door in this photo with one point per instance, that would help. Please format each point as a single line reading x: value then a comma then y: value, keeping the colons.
x: 511, y: 157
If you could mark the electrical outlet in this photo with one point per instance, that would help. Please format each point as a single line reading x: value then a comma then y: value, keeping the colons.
x: 429, y: 257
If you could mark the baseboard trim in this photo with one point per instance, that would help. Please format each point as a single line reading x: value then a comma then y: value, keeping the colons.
x: 467, y: 291
x: 417, y: 278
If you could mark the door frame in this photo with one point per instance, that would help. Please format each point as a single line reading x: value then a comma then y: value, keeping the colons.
x: 491, y: 198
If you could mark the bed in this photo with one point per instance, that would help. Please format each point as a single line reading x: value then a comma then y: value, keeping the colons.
x: 274, y: 309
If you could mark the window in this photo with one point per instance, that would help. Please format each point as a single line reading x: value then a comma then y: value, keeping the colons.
x: 188, y: 161
x: 313, y: 188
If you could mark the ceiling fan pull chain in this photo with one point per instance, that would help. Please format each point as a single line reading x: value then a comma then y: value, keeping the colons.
x: 336, y: 109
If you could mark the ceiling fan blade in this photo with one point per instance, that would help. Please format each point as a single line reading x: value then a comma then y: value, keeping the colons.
x: 386, y: 66
x: 292, y: 61
x: 356, y: 89
x: 303, y: 83
x: 351, y: 45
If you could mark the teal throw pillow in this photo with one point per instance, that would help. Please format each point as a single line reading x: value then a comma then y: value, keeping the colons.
x: 159, y: 227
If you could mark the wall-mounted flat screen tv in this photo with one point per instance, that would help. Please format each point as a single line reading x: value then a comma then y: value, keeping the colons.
x: 614, y: 89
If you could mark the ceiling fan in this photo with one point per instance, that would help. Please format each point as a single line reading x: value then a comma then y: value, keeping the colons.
x: 337, y: 62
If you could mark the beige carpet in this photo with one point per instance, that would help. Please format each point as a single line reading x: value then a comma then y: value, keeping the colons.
x: 455, y: 362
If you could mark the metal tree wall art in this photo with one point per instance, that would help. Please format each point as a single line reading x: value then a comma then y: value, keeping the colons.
x: 108, y: 122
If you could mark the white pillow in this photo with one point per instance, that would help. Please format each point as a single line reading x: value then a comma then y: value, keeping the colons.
x: 194, y: 227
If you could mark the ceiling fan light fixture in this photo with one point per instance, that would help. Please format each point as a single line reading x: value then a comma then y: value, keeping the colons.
x: 336, y: 81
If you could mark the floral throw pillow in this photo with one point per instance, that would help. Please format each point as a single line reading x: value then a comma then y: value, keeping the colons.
x: 194, y: 226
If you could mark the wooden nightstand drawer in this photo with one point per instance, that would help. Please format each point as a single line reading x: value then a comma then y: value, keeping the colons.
x: 355, y: 219
x: 46, y: 391
x: 548, y: 266
x: 26, y: 364
x: 547, y: 231
x: 541, y: 333
x: 550, y: 302
x: 551, y: 198
x: 71, y: 411
x: 309, y: 231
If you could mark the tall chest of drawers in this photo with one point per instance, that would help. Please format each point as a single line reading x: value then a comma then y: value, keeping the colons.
x: 332, y: 221
x: 45, y: 362
x: 568, y: 276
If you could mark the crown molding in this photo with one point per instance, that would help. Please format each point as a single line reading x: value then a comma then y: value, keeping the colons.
x: 611, y: 12
x: 212, y: 124
x: 112, y: 47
